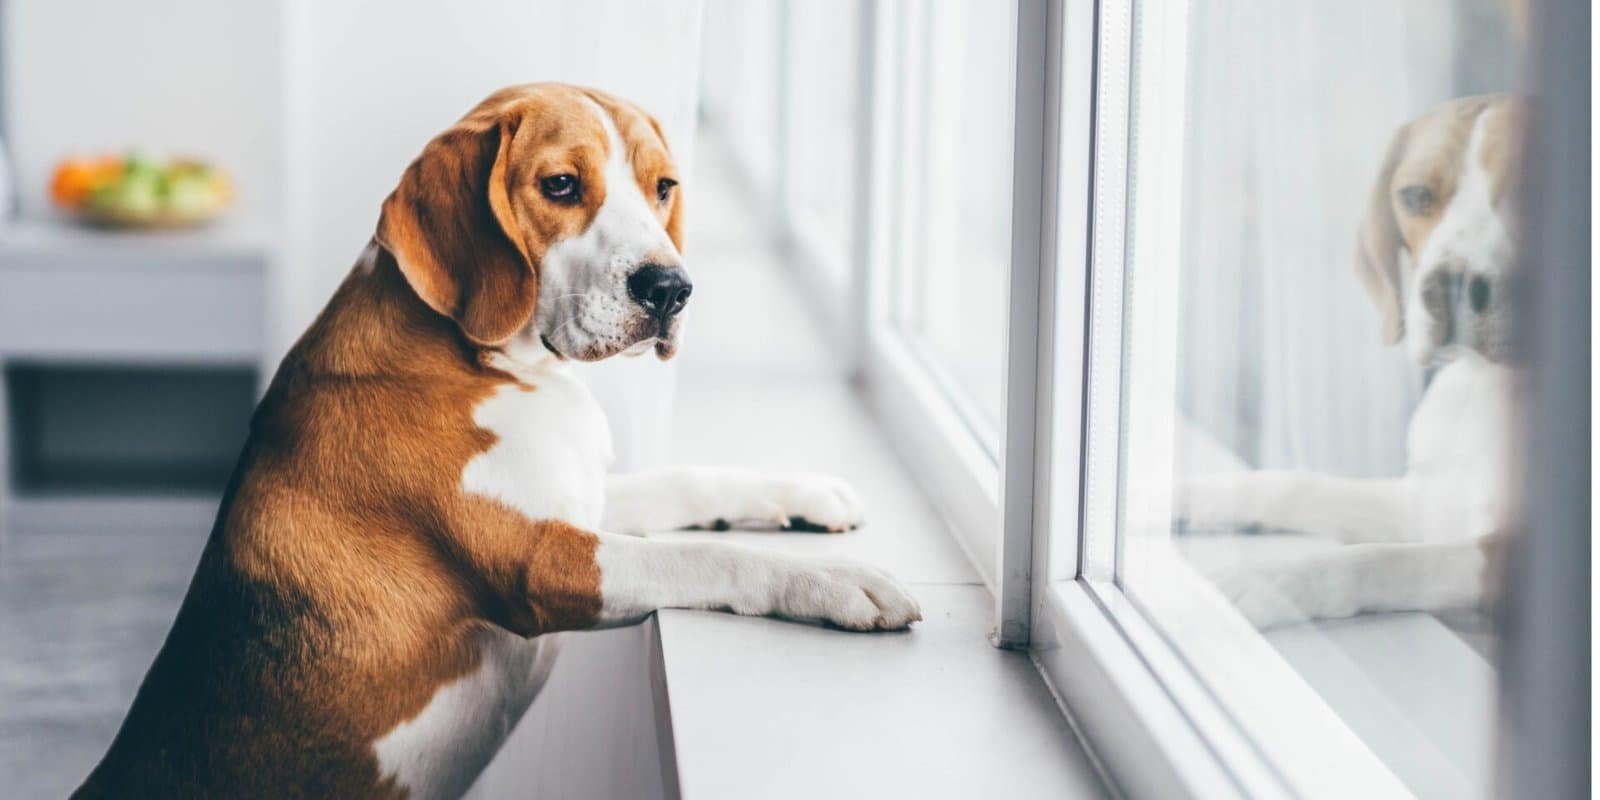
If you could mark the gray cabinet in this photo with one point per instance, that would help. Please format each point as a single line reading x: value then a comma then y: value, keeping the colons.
x: 129, y: 363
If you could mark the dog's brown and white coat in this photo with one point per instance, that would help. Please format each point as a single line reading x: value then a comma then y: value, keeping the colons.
x: 423, y: 492
x: 1436, y: 253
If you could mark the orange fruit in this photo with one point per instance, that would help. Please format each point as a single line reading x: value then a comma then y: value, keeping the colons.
x: 77, y: 177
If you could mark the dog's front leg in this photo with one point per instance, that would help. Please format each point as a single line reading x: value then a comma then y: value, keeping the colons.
x: 640, y: 575
x: 1360, y: 578
x: 547, y: 576
x: 1347, y: 509
x: 686, y: 497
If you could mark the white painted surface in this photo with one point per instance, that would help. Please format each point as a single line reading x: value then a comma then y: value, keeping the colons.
x: 592, y: 734
x: 765, y: 709
x: 71, y: 294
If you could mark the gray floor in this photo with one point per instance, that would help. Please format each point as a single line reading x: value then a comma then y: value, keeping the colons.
x: 81, y: 617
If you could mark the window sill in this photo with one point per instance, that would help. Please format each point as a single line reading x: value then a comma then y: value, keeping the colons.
x: 763, y: 708
x: 1416, y: 688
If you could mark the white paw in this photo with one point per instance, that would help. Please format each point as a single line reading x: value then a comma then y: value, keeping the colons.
x: 849, y: 595
x: 806, y: 501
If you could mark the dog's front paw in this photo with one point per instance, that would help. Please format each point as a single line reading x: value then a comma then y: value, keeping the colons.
x: 805, y: 501
x: 848, y: 595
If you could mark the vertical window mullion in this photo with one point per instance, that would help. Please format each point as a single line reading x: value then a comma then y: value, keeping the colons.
x: 1103, y: 372
x: 1058, y: 538
x: 1024, y: 463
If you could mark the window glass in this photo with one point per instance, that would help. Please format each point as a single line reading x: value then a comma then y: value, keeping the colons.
x: 1314, y: 401
x: 952, y: 215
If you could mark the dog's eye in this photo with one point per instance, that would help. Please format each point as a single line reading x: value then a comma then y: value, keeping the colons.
x: 664, y: 189
x: 1417, y: 199
x: 562, y: 188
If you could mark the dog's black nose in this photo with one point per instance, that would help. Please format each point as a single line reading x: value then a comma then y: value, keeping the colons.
x: 663, y: 291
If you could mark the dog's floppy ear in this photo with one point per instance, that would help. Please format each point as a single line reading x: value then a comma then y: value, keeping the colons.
x: 1378, y: 246
x: 451, y: 228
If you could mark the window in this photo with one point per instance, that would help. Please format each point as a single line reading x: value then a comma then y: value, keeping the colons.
x: 1287, y: 390
x: 953, y: 197
x: 1150, y: 312
x: 878, y: 137
x: 939, y: 248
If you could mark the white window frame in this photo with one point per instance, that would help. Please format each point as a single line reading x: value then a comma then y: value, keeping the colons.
x: 924, y: 416
x: 920, y: 412
x: 1040, y: 518
x: 1253, y: 726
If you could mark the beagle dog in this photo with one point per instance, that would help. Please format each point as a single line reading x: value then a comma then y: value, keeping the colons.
x: 1436, y: 252
x: 423, y: 498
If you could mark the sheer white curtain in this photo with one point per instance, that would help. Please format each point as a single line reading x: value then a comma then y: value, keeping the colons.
x: 1291, y: 107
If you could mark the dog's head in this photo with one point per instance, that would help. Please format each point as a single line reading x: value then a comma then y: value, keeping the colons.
x: 1439, y: 241
x: 549, y: 212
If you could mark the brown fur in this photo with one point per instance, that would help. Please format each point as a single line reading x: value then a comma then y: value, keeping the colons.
x: 348, y: 576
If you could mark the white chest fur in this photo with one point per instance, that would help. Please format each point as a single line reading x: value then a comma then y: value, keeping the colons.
x: 552, y: 451
x: 549, y: 462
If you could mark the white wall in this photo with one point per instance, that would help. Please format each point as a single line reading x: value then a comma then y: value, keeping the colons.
x: 741, y: 63
x: 171, y: 76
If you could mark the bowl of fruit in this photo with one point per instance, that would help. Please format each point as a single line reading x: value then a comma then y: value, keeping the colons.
x: 134, y: 191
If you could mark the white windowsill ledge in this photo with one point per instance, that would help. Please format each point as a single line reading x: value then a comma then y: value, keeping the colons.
x: 771, y: 709
x: 760, y: 708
